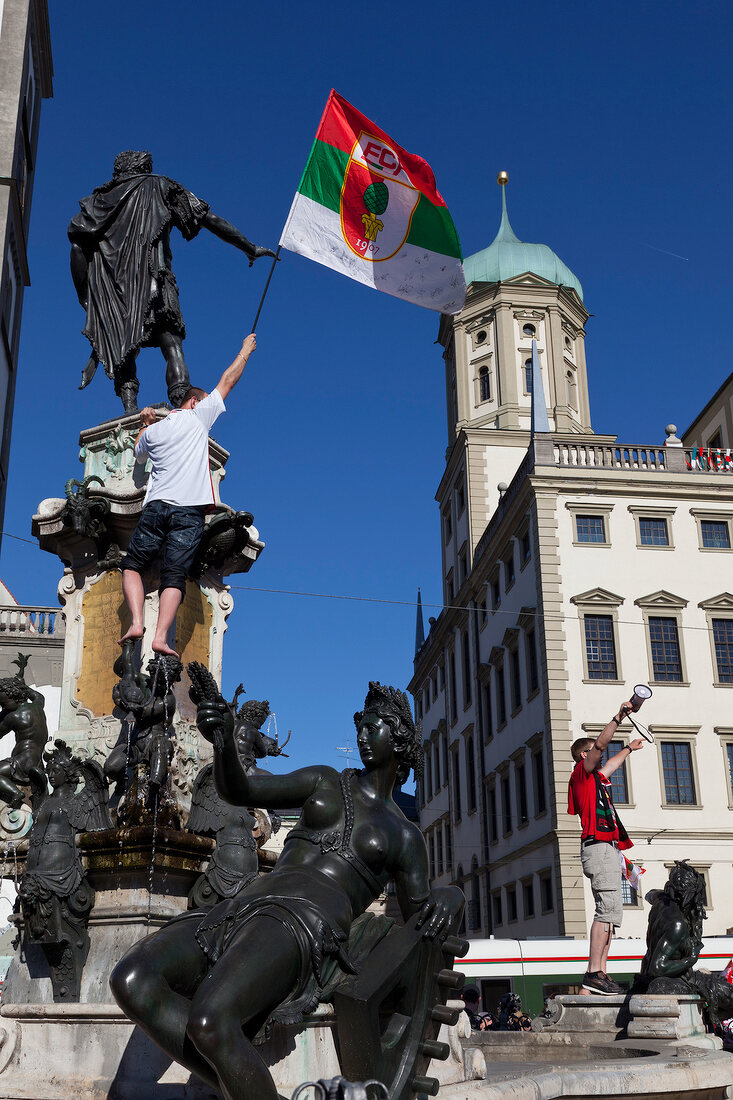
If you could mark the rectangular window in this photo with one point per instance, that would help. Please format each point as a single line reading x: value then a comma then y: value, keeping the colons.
x: 653, y: 532
x: 629, y: 895
x: 448, y: 847
x: 456, y: 787
x: 515, y: 680
x: 444, y: 740
x: 496, y: 906
x: 501, y: 695
x: 538, y: 769
x: 493, y: 816
x: 665, y: 646
x: 546, y: 893
x: 511, y: 903
x: 524, y: 547
x: 453, y: 691
x: 600, y: 647
x: 533, y: 674
x: 460, y: 500
x: 715, y: 534
x: 619, y: 781
x: 428, y: 773
x: 723, y: 641
x: 466, y: 655
x: 679, y: 781
x: 448, y: 523
x: 439, y: 834
x: 462, y: 566
x: 590, y: 529
x: 528, y: 899
x: 436, y: 768
x: 506, y: 805
x: 488, y: 715
x: 522, y: 794
x: 495, y: 594
x: 509, y: 574
x: 483, y: 611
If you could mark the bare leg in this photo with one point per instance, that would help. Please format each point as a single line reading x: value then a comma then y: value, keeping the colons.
x: 176, y: 371
x: 134, y: 593
x: 154, y: 985
x: 606, y: 948
x: 170, y: 600
x: 600, y: 940
x: 256, y: 974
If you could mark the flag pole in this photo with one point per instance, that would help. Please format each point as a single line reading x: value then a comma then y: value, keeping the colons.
x: 264, y: 292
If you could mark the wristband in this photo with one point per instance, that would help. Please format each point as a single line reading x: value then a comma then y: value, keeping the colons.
x: 616, y: 719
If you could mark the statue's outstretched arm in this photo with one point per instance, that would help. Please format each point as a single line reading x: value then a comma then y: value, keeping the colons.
x: 216, y: 722
x: 80, y: 274
x: 223, y: 229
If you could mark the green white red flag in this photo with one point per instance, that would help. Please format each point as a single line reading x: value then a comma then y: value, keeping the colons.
x: 371, y: 210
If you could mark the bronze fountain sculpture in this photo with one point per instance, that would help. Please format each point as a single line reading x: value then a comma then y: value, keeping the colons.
x: 206, y: 986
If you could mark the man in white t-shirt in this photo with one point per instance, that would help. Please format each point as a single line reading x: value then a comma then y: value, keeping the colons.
x: 179, y: 494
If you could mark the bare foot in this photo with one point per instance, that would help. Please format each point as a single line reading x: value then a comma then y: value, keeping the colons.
x: 163, y: 647
x: 134, y: 634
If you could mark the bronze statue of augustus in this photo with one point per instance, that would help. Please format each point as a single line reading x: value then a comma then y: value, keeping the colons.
x: 204, y: 986
x: 122, y: 273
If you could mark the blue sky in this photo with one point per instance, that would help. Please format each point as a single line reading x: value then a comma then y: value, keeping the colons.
x: 613, y: 121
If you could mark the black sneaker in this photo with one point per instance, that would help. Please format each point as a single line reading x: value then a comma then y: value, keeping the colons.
x: 600, y: 984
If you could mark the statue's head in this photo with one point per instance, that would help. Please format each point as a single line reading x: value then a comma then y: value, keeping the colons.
x: 168, y: 669
x: 686, y: 885
x: 62, y: 766
x: 133, y: 163
x: 254, y: 711
x: 13, y: 690
x: 393, y: 707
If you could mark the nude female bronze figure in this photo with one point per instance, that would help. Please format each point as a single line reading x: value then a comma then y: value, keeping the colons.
x: 204, y: 986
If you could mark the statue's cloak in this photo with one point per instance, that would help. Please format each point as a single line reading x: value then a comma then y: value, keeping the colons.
x: 123, y: 229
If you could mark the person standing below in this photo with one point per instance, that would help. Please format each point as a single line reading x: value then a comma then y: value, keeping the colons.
x: 602, y: 838
x: 179, y: 494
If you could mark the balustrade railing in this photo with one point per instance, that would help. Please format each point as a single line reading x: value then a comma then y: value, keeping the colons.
x: 29, y: 621
x: 610, y: 456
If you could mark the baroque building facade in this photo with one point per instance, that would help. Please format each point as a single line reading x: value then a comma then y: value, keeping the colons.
x: 26, y: 75
x: 574, y: 566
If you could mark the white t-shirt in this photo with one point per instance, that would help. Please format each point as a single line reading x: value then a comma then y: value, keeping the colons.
x: 178, y: 448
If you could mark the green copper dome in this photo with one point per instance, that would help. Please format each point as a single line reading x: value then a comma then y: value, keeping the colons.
x: 507, y: 256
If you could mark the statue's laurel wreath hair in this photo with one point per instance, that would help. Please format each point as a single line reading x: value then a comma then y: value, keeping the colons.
x: 393, y: 707
x: 15, y: 689
x: 62, y: 755
x: 254, y: 711
x: 133, y: 160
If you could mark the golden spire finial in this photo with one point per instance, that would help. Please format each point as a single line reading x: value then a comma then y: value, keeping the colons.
x: 502, y: 179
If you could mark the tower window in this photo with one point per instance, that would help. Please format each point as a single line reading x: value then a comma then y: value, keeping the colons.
x: 484, y: 384
x: 528, y: 330
x: 571, y: 390
x: 528, y: 376
x: 481, y: 336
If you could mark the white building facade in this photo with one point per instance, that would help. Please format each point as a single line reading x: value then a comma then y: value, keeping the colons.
x: 574, y: 567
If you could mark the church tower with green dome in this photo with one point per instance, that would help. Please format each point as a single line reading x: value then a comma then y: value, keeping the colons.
x: 517, y: 292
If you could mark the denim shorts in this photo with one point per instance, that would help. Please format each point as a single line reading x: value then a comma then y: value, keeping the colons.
x: 168, y: 534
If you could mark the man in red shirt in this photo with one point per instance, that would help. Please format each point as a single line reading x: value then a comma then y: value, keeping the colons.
x: 603, y: 836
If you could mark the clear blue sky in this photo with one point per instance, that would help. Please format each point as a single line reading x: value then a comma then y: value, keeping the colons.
x: 614, y: 124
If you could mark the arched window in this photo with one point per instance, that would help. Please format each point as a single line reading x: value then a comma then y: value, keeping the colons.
x: 571, y: 390
x: 484, y: 384
x: 471, y: 773
x: 528, y: 376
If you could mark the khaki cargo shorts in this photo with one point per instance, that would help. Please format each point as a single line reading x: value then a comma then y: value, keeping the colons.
x: 601, y: 865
